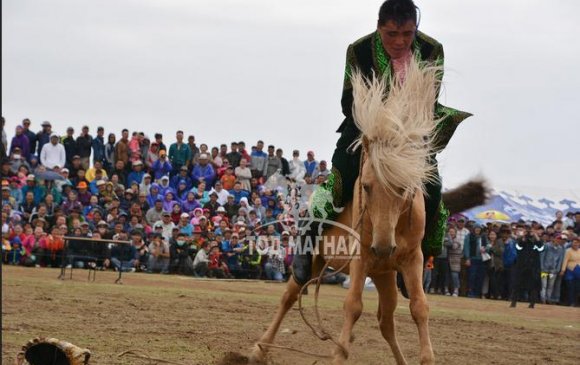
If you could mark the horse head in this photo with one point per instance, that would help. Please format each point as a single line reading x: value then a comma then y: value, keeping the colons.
x: 397, y: 124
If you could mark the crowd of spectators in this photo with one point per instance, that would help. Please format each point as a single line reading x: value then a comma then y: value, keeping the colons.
x: 184, y: 208
x: 192, y: 210
x: 517, y: 261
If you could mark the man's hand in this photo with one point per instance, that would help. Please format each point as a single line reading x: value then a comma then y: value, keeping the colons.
x: 468, y: 263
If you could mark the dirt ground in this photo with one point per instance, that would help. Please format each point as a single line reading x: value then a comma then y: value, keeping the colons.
x: 191, y: 321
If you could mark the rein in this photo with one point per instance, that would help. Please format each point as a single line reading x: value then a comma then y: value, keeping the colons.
x: 321, y: 332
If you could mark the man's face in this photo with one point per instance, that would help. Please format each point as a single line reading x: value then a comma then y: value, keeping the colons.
x: 234, y: 147
x: 271, y: 151
x: 397, y: 39
x: 260, y: 146
x: 85, y: 131
x: 26, y: 124
x: 179, y: 137
x: 125, y: 134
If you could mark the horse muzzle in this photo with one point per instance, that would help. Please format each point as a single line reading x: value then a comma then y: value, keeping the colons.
x: 383, y: 251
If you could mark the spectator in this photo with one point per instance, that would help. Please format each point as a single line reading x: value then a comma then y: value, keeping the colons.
x: 234, y: 156
x: 124, y: 256
x: 571, y: 271
x: 238, y: 193
x: 201, y: 262
x: 43, y: 137
x: 259, y: 158
x: 243, y: 175
x: 53, y: 154
x: 274, y: 266
x: 441, y: 273
x: 179, y: 153
x: 320, y: 170
x: 159, y: 255
x: 455, y: 252
x: 273, y: 163
x: 32, y: 138
x: 122, y: 149
x: 285, y: 169
x: 222, y: 193
x: 85, y: 145
x: 33, y: 250
x: 181, y: 262
x: 310, y: 164
x: 167, y: 225
x: 137, y: 174
x: 99, y: 146
x: 91, y: 173
x: 527, y: 267
x: 551, y: 261
x: 70, y: 147
x: 202, y: 171
x: 473, y: 246
x: 53, y: 245
x: 495, y: 248
x: 297, y: 167
x: 21, y: 141
x: 109, y: 160
x: 427, y: 274
x: 183, y: 175
x: 17, y: 161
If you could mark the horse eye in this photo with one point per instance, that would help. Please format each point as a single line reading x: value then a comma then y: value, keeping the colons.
x: 367, y: 188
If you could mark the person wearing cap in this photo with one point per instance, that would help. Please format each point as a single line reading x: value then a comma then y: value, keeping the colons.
x: 182, y: 175
x: 21, y: 141
x: 184, y: 225
x: 53, y: 154
x: 7, y: 197
x: 167, y: 224
x: 43, y: 137
x: 179, y: 153
x: 16, y: 161
x: 137, y: 174
x: 273, y: 164
x: 259, y: 158
x: 32, y: 187
x: 203, y: 171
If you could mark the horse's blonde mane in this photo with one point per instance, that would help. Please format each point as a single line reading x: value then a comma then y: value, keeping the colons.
x: 397, y: 127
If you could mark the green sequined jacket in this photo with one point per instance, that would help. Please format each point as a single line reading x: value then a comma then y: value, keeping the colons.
x: 368, y: 55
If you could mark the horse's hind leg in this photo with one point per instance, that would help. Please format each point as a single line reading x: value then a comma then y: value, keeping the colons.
x: 288, y: 299
x: 386, y: 285
x: 412, y: 273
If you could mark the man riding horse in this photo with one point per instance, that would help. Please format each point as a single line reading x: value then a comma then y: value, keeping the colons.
x: 386, y: 52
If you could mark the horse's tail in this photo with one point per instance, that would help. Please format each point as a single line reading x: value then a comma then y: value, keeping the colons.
x: 466, y: 196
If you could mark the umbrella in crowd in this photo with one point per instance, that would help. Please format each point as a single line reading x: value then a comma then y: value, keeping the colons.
x: 493, y: 215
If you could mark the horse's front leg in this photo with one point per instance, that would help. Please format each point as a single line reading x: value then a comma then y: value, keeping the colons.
x: 413, y: 275
x: 288, y: 299
x: 352, y: 309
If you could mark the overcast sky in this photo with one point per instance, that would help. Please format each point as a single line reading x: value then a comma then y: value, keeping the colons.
x: 273, y: 70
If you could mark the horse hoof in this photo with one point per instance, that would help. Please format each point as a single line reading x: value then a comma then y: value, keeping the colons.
x: 258, y: 356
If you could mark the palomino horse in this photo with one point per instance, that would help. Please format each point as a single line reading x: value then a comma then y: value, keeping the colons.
x: 388, y: 207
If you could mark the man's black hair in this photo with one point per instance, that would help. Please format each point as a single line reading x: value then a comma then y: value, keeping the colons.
x: 158, y: 135
x: 399, y: 11
x: 125, y: 130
